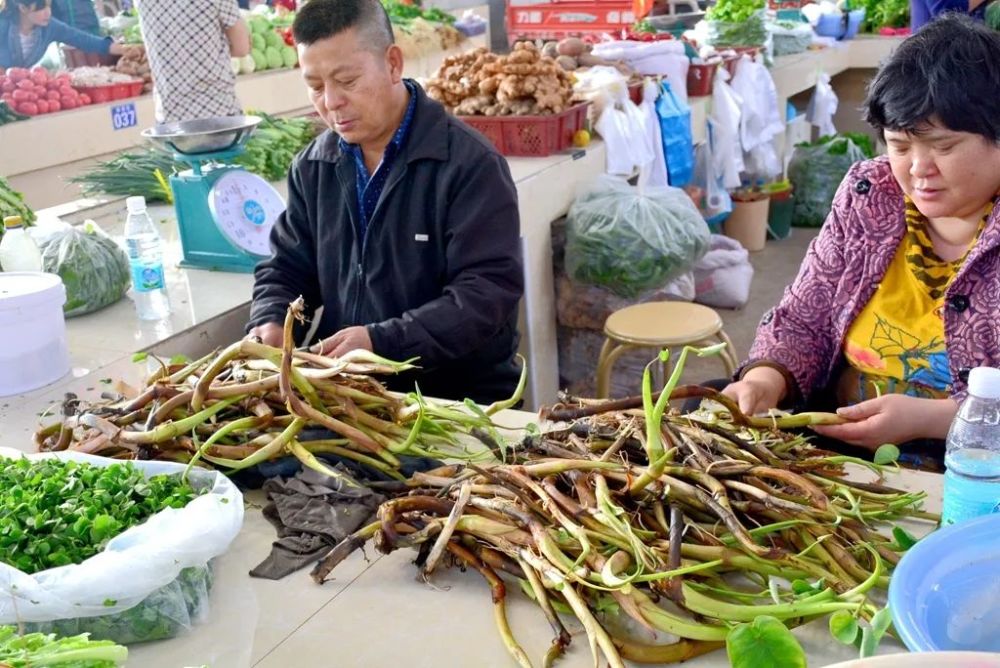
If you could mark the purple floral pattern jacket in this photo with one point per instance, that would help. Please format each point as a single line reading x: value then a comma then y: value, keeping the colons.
x: 843, y: 267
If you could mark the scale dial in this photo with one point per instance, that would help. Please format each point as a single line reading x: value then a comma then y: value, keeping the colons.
x: 245, y: 207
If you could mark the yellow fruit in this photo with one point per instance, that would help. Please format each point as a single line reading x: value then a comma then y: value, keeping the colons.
x: 581, y: 139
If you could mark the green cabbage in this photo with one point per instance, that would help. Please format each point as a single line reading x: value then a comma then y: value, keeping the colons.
x: 274, y: 59
x: 259, y: 59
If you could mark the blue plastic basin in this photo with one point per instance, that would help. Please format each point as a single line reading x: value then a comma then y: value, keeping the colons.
x: 945, y: 592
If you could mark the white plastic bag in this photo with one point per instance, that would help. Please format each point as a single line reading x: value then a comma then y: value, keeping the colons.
x: 136, y: 563
x: 623, y: 127
x: 714, y: 203
x: 654, y: 174
x: 723, y: 276
x: 822, y: 106
x: 727, y: 152
x: 760, y: 122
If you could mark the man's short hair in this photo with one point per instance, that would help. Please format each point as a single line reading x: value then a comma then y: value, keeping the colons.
x: 949, y: 70
x: 321, y: 19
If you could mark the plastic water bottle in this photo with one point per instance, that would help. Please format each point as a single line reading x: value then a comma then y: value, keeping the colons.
x: 145, y: 255
x: 18, y: 251
x: 972, y: 454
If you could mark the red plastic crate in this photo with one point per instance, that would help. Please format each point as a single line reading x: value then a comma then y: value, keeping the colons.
x: 556, y: 20
x: 531, y: 136
x: 635, y: 92
x: 701, y: 78
x: 111, y: 92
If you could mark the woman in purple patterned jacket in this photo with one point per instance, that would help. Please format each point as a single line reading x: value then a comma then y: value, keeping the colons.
x: 899, y: 295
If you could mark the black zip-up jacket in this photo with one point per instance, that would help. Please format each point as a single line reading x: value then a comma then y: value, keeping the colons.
x: 438, y: 274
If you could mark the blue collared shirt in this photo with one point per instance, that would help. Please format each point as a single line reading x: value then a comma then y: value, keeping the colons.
x: 369, y: 186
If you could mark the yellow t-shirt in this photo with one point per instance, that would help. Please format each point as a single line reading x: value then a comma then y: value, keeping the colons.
x: 897, y: 344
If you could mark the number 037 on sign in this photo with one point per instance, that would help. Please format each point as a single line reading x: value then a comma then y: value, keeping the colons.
x: 124, y: 116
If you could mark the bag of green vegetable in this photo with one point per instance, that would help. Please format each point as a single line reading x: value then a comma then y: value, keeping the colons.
x: 790, y: 37
x: 630, y: 239
x: 816, y: 171
x: 92, y: 266
x: 737, y: 23
x: 79, y: 562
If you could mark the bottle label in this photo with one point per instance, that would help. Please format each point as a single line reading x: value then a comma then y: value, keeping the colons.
x: 146, y: 278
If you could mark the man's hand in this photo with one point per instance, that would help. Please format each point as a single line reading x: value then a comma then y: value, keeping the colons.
x: 892, y: 418
x: 760, y: 390
x: 271, y: 334
x: 344, y: 341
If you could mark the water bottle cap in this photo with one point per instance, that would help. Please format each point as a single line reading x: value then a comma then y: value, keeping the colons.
x: 984, y: 382
x: 11, y: 222
x: 136, y: 204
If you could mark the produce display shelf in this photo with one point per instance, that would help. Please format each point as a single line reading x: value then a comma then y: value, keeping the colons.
x: 41, y: 153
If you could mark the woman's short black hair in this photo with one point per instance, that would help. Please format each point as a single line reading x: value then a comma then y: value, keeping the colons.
x: 320, y: 19
x: 949, y: 70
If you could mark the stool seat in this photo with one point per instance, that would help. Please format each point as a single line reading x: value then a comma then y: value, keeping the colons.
x: 662, y: 324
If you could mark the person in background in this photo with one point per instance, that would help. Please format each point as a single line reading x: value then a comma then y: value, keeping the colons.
x: 77, y: 13
x: 897, y: 298
x: 402, y: 222
x: 189, y: 44
x: 27, y: 29
x: 925, y: 11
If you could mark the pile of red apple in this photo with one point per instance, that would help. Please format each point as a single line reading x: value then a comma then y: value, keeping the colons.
x: 36, y: 91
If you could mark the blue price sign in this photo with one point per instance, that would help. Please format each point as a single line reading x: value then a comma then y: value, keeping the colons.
x: 124, y: 116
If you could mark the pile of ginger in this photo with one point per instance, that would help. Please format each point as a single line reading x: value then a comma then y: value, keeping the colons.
x: 523, y: 83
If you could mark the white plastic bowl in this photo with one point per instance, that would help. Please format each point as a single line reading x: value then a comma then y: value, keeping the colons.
x: 33, y: 349
x: 926, y: 660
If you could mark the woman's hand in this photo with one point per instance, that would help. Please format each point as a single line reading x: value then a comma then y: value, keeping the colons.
x: 760, y: 390
x: 892, y: 418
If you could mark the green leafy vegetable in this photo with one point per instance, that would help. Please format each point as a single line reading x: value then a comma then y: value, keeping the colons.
x: 57, y: 512
x: 734, y: 11
x: 737, y: 23
x: 12, y: 204
x: 904, y: 540
x: 34, y: 650
x: 274, y: 145
x: 844, y: 627
x: 763, y: 643
x: 886, y: 454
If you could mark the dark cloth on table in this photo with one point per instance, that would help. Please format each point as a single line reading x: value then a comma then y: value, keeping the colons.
x: 312, y: 512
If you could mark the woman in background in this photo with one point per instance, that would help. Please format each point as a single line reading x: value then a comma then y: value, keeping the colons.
x: 27, y: 29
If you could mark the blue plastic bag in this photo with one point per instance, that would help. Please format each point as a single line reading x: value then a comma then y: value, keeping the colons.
x: 678, y: 146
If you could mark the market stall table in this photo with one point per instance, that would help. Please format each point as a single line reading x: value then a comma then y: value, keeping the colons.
x: 375, y: 613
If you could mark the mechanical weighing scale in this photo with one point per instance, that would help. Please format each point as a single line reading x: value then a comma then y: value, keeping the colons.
x: 224, y: 213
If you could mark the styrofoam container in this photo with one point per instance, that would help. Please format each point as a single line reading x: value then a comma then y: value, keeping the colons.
x: 34, y: 350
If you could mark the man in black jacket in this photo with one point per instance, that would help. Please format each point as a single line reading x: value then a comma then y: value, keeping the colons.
x: 402, y: 222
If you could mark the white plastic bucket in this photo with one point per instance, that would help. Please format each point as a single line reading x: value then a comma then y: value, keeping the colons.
x: 33, y: 329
